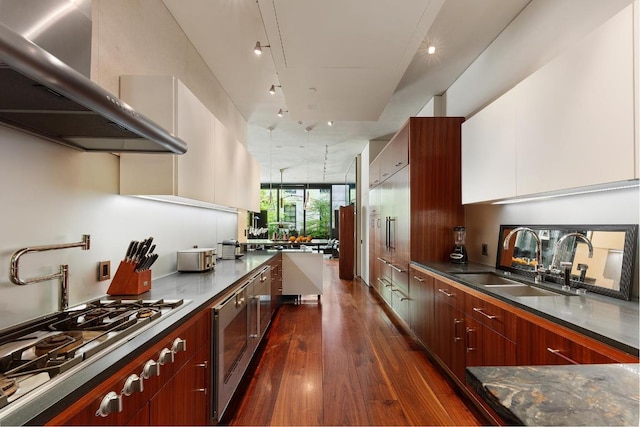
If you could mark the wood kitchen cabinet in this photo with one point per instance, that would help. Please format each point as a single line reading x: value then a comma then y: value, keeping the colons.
x: 422, y: 306
x: 552, y: 345
x: 183, y: 400
x: 180, y: 382
x: 276, y: 282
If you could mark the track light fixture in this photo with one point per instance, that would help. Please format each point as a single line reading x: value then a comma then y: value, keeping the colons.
x: 330, y: 122
x: 272, y: 89
x: 281, y: 113
x: 258, y: 48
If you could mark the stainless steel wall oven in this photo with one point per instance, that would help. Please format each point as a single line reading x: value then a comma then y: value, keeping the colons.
x: 239, y: 322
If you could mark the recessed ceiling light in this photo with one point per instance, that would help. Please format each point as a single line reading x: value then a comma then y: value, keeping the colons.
x: 431, y: 50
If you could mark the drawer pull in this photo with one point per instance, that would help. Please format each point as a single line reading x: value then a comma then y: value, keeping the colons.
x: 456, y: 322
x: 398, y: 269
x: 202, y: 390
x: 403, y: 297
x: 488, y: 316
x: 558, y: 353
x: 446, y: 293
x: 419, y: 279
x: 383, y: 261
x: 469, y: 332
x: 203, y: 365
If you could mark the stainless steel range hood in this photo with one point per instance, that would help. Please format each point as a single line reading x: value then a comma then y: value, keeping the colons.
x: 42, y: 95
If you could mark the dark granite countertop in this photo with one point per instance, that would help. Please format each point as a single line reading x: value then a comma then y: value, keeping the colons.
x: 199, y: 290
x: 613, y: 321
x: 577, y: 395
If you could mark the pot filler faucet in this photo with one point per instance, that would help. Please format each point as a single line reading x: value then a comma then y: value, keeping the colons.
x: 539, y: 268
x: 63, y: 274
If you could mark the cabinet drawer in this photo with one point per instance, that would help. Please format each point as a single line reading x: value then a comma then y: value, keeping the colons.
x: 541, y: 346
x: 450, y: 294
x: 491, y: 315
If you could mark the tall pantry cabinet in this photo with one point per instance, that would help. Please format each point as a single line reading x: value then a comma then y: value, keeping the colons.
x: 415, y: 190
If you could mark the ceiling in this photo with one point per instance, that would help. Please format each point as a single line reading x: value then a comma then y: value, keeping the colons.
x: 359, y: 63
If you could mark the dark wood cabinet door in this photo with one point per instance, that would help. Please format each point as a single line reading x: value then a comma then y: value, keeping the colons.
x: 422, y: 306
x: 486, y: 347
x: 183, y: 399
x: 347, y: 238
x: 546, y: 347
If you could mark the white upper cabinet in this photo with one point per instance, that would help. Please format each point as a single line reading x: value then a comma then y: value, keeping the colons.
x: 489, y: 152
x: 216, y: 170
x: 570, y: 124
x: 577, y: 126
x: 167, y: 101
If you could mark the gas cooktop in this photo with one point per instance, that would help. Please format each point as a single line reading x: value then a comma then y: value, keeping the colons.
x: 33, y: 353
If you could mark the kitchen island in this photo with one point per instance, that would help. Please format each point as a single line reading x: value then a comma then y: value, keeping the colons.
x: 560, y: 395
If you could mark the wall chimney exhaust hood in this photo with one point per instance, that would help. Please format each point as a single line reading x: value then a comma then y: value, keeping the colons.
x: 44, y: 96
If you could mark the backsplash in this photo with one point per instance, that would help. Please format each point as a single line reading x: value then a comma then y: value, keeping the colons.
x: 52, y: 195
x: 610, y: 207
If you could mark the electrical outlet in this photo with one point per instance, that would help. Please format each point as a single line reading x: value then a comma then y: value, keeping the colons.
x: 104, y: 270
x: 485, y: 249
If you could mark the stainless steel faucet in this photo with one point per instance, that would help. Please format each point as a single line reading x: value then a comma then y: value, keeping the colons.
x: 558, y: 244
x: 63, y: 274
x: 538, y: 268
x: 567, y: 265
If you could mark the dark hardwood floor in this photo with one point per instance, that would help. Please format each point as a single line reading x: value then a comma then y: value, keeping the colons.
x: 344, y: 362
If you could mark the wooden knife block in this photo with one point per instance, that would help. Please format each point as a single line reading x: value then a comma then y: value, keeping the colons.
x: 127, y: 281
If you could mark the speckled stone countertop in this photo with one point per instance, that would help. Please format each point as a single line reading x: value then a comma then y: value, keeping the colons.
x: 575, y: 395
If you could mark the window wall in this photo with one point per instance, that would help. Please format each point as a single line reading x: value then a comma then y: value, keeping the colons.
x: 294, y: 210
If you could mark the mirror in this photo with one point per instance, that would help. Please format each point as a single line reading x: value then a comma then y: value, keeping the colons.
x: 607, y: 271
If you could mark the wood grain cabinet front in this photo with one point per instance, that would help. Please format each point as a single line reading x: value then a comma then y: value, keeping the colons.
x: 178, y: 366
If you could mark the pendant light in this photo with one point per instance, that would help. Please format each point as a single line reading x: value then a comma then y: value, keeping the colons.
x: 305, y: 206
x: 270, y: 175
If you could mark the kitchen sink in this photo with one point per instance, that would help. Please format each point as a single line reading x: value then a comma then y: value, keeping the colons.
x: 522, y: 290
x: 506, y: 285
x: 487, y: 279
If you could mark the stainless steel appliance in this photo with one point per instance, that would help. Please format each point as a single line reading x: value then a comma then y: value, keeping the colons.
x: 231, y: 249
x: 197, y: 259
x: 33, y: 353
x: 239, y: 322
x: 43, y: 95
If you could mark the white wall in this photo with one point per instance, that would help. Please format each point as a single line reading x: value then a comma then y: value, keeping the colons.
x: 52, y: 194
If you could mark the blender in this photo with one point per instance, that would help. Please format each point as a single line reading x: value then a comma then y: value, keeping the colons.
x: 459, y: 253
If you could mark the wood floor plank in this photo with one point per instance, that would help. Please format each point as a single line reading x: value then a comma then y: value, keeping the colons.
x: 345, y: 361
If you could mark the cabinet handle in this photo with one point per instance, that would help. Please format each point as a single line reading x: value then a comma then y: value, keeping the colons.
x: 558, y: 353
x: 383, y: 261
x: 469, y: 332
x: 488, y: 316
x: 110, y: 403
x: 399, y: 270
x: 403, y: 296
x: 399, y: 163
x: 202, y: 390
x: 456, y: 337
x: 419, y: 279
x: 203, y: 365
x: 133, y: 384
x: 446, y: 293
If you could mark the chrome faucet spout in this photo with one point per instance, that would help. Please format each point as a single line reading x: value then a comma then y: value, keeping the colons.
x: 62, y: 274
x: 561, y: 240
x: 539, y: 268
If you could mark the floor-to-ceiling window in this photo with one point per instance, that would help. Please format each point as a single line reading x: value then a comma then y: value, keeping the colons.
x: 307, y: 210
